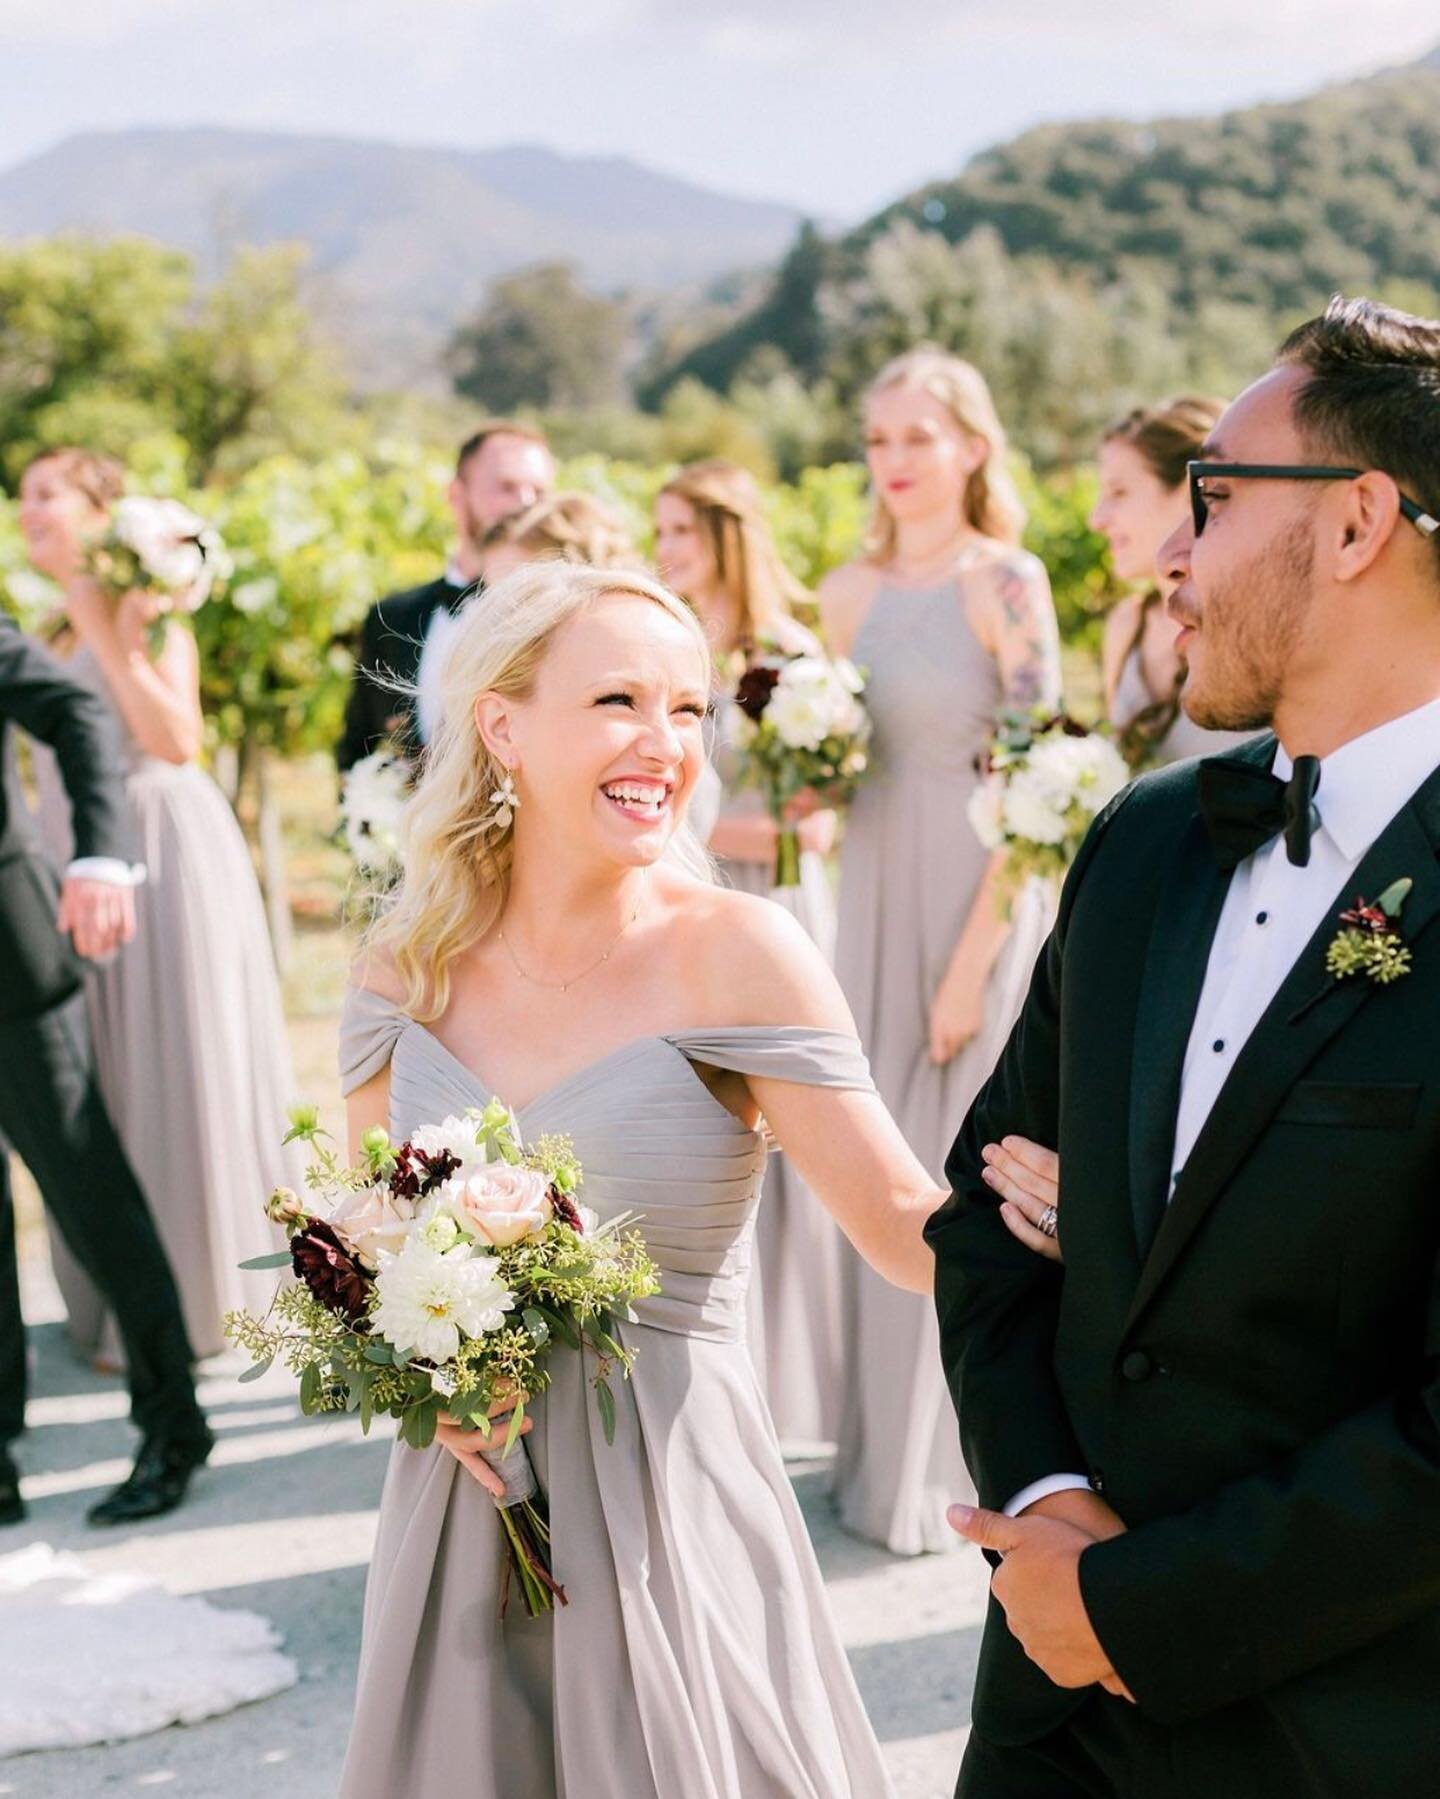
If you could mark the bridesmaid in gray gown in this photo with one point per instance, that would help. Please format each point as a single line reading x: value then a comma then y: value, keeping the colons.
x: 714, y: 546
x: 952, y: 623
x: 1142, y: 499
x: 567, y: 953
x: 187, y: 1024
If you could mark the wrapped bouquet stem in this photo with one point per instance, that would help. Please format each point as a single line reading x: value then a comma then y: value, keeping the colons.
x: 438, y: 1283
x: 525, y: 1520
x: 787, y: 856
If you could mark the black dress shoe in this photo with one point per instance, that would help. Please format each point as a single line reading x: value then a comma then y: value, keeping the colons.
x: 157, y: 1482
x: 12, y: 1506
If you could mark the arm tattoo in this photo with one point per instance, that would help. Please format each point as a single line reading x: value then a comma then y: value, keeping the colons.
x: 1028, y: 648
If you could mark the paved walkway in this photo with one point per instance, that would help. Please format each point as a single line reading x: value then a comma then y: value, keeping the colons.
x: 281, y: 1523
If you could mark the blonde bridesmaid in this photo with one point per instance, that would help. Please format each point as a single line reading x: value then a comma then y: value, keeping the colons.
x: 953, y: 622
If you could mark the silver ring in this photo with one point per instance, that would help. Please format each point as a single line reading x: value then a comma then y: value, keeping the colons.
x: 1048, y: 1222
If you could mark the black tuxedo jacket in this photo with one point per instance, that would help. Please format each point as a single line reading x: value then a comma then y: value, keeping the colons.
x: 381, y: 706
x: 37, y: 966
x: 1257, y: 1396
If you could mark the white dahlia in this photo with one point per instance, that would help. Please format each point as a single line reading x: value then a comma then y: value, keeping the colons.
x: 427, y: 1301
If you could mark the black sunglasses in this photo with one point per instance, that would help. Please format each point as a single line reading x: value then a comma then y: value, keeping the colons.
x: 1279, y: 471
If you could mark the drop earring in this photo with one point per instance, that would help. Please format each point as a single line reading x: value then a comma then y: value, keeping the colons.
x: 505, y: 801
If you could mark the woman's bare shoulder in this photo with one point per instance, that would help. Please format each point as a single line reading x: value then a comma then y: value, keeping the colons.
x: 755, y: 964
x: 851, y: 584
x: 373, y: 971
x: 844, y: 597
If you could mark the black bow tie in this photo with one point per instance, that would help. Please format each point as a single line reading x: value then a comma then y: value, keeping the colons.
x: 1244, y: 807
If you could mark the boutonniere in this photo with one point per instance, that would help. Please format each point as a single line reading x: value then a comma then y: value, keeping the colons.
x: 1368, y: 942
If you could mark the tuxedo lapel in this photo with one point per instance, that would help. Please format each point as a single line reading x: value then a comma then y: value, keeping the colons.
x: 1309, y: 1009
x: 1176, y: 957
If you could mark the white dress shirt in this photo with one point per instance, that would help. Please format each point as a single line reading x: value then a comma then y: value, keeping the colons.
x: 1272, y: 910
x: 439, y: 635
x: 109, y: 869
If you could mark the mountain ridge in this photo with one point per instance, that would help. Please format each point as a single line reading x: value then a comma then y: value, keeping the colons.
x: 1270, y: 207
x: 403, y: 238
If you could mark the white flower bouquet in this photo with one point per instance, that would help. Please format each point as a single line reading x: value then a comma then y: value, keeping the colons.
x: 372, y: 804
x: 800, y: 724
x: 444, y: 1275
x: 160, y: 548
x: 1042, y: 781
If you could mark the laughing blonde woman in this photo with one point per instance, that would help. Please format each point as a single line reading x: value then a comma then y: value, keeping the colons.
x: 571, y: 956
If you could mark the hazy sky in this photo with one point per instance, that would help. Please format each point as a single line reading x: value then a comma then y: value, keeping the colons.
x: 833, y: 104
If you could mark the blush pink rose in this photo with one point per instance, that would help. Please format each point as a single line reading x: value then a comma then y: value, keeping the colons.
x: 374, y: 1222
x: 499, y: 1205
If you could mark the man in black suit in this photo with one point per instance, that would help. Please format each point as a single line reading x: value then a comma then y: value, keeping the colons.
x: 502, y: 467
x: 50, y: 1105
x: 1208, y: 1443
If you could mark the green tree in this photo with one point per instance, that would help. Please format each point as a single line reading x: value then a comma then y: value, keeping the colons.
x: 540, y: 340
x: 788, y: 314
x: 249, y: 377
x: 113, y: 345
x: 86, y: 332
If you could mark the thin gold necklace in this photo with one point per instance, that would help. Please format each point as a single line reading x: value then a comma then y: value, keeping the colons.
x: 565, y: 986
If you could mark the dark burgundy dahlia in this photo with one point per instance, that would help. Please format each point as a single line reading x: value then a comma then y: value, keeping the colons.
x: 333, y: 1273
x: 752, y: 695
x: 566, y: 1211
x: 417, y: 1172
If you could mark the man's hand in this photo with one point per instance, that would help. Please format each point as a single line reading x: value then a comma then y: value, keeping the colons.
x: 99, y: 915
x: 1083, y: 1509
x: 1038, y: 1585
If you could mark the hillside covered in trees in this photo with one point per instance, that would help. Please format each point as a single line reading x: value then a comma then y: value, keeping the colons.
x: 1160, y: 253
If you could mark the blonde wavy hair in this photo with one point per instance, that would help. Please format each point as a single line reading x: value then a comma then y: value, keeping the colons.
x: 573, y: 527
x: 991, y: 502
x: 457, y: 861
x: 731, y: 513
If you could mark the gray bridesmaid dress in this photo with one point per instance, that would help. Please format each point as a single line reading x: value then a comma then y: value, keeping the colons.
x: 909, y: 870
x: 793, y: 1311
x: 190, y: 1043
x: 697, y: 1658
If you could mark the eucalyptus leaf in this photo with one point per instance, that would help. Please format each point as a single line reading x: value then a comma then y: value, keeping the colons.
x: 426, y: 1418
x: 1394, y: 896
x: 605, y: 1399
x: 281, y: 1258
x: 258, y: 1369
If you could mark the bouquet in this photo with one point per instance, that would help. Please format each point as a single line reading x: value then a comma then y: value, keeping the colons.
x: 444, y: 1275
x: 799, y: 723
x: 160, y: 548
x: 372, y: 803
x: 1043, y: 779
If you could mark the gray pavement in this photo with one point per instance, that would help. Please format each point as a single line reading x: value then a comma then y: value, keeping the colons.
x: 281, y: 1523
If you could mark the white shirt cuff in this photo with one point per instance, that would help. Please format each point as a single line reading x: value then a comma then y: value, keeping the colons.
x: 106, y: 868
x: 1042, y: 1489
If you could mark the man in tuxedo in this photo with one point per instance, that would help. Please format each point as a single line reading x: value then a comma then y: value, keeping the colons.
x: 50, y: 1105
x: 1207, y: 1445
x: 502, y: 467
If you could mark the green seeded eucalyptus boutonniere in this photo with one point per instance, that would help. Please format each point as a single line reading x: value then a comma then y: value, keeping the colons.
x: 1369, y: 944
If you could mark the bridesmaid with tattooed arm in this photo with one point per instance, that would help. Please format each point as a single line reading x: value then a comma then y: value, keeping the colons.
x: 953, y: 623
